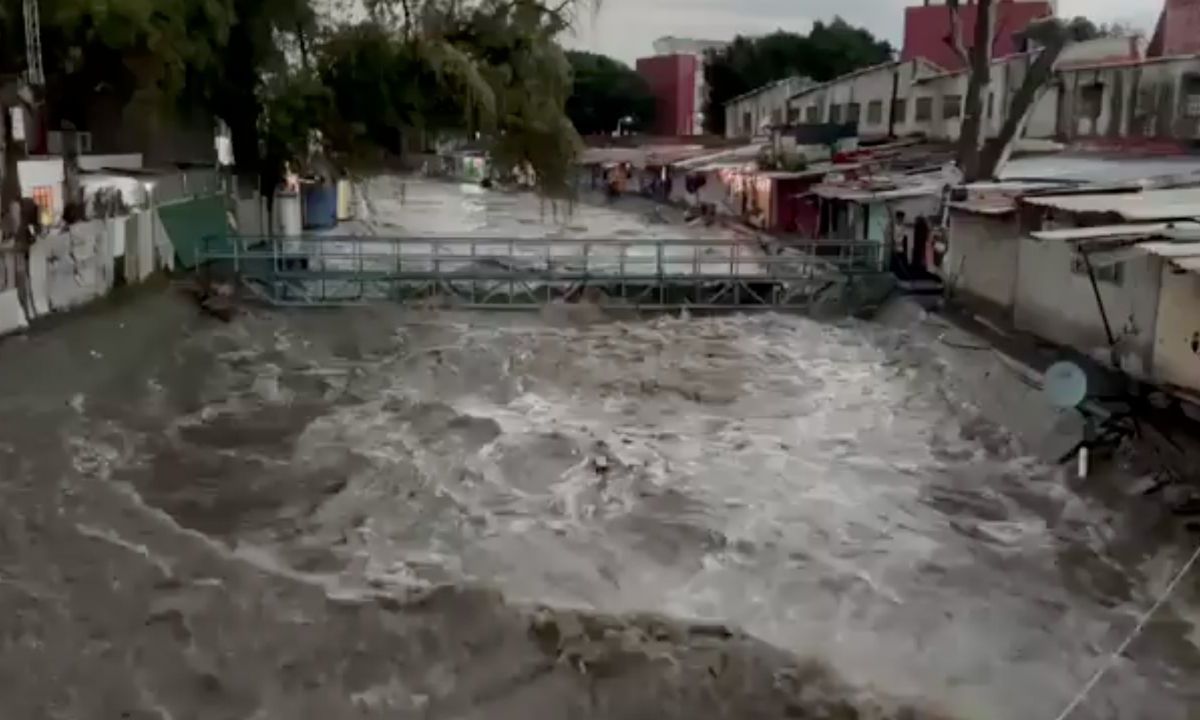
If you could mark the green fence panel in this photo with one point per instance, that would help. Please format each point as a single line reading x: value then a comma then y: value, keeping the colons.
x: 189, y: 222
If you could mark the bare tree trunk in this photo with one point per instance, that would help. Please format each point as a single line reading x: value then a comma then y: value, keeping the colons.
x: 1034, y: 85
x: 979, y: 63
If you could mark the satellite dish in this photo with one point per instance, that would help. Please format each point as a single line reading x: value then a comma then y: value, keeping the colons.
x: 1066, y: 385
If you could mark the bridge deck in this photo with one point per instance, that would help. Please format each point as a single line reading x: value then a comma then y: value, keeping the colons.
x: 523, y: 272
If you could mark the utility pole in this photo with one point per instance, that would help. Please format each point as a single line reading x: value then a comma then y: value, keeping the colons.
x: 11, y: 104
x: 13, y: 101
x: 33, y: 45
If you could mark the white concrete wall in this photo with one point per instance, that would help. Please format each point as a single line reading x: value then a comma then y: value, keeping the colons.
x: 1057, y: 304
x: 764, y: 106
x: 129, y: 161
x: 1176, y: 360
x: 12, y: 315
x: 982, y: 259
x: 863, y: 88
x: 916, y: 81
x: 912, y: 82
x: 1139, y: 101
x: 79, y: 264
x: 72, y: 267
x: 1006, y: 79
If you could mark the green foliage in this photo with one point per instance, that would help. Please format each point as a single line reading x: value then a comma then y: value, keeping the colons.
x: 531, y: 79
x: 826, y: 52
x: 604, y: 91
x: 490, y: 69
x: 295, y: 106
x: 154, y: 43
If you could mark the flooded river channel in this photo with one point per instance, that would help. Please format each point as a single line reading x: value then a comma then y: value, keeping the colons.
x: 379, y: 512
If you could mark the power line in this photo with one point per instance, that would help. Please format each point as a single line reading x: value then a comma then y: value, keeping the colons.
x: 1137, y: 630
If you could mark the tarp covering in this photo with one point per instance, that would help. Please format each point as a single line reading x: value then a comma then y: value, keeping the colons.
x: 189, y: 222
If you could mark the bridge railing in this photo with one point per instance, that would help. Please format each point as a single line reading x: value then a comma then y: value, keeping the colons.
x: 528, y: 272
x: 550, y: 258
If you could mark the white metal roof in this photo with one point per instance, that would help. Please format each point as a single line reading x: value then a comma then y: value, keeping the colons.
x: 1116, y: 232
x: 1142, y: 206
x: 1172, y: 250
x: 862, y: 194
x: 740, y: 154
x: 1183, y: 255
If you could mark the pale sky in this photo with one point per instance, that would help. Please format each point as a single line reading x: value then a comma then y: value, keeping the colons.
x: 625, y: 29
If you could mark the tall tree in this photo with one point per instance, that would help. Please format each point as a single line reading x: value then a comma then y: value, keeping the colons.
x: 826, y: 52
x: 605, y: 91
x: 482, y: 68
x: 979, y: 157
x: 978, y: 61
x: 499, y: 61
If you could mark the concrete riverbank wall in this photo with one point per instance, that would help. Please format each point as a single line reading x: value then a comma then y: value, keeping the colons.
x: 68, y: 267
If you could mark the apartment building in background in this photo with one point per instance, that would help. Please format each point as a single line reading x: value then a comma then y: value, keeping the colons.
x: 1178, y: 29
x: 675, y: 74
x: 927, y: 29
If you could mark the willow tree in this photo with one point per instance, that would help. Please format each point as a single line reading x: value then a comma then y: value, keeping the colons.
x: 499, y: 62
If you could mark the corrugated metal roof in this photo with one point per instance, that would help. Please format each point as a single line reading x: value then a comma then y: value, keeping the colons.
x: 859, y: 194
x: 1090, y: 168
x: 771, y: 86
x: 1172, y: 250
x: 1114, y: 232
x: 993, y: 207
x: 1143, y: 206
x: 722, y: 158
x: 642, y: 156
x: 1182, y: 254
x: 999, y: 198
x: 926, y: 65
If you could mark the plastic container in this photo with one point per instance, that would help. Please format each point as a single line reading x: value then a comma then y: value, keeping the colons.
x: 320, y: 206
x: 345, y: 200
x: 287, y: 213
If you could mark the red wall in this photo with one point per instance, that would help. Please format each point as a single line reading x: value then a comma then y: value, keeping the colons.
x: 927, y: 30
x: 1178, y: 31
x: 672, y: 79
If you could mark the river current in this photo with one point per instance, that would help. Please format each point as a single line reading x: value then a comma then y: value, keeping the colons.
x: 379, y: 512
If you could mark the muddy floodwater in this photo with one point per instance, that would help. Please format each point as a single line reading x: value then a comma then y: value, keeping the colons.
x: 386, y: 513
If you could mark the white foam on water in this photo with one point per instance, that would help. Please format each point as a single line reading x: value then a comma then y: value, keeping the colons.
x: 828, y: 488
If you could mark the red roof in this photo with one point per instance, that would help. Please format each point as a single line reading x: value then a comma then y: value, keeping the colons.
x: 927, y: 30
x: 1178, y: 30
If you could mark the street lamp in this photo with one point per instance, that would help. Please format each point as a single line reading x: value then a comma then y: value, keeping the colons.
x: 627, y: 120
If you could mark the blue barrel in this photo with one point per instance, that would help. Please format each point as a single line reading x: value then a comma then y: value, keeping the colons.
x: 320, y: 206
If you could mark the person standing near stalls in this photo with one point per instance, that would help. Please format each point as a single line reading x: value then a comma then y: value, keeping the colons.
x: 901, y: 242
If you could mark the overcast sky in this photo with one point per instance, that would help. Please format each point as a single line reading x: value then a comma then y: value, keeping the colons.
x: 626, y: 28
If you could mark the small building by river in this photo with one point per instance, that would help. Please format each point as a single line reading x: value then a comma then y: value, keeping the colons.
x: 1111, y: 274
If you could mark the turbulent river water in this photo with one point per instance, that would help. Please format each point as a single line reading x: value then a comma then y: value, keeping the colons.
x: 376, y: 512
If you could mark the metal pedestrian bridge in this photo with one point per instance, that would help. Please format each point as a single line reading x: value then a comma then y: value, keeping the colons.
x: 523, y: 273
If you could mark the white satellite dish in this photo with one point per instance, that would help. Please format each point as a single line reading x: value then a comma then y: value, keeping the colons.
x: 1066, y: 385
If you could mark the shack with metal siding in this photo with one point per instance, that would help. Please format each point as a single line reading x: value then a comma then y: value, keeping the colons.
x: 1177, y: 333
x: 1079, y: 283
